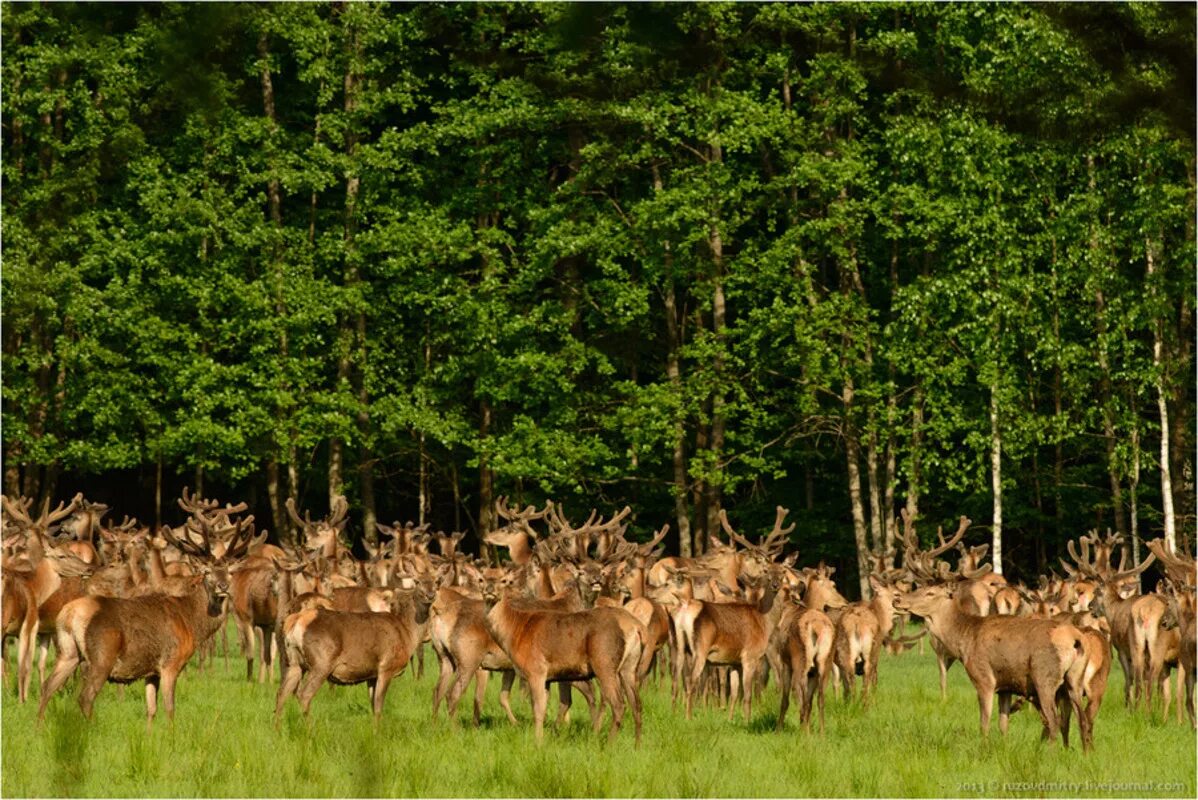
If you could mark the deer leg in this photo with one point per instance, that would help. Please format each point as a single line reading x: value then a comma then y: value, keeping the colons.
x: 311, y: 685
x: 609, y: 687
x: 444, y: 676
x: 420, y: 661
x: 1190, y: 676
x: 1004, y: 711
x: 628, y: 682
x: 505, y: 694
x: 480, y: 692
x: 748, y: 673
x: 43, y: 651
x: 696, y: 672
x: 785, y: 683
x: 151, y: 701
x: 68, y: 659
x: 465, y: 671
x: 540, y: 702
x: 167, y: 686
x: 1128, y: 675
x: 287, y: 685
x: 25, y: 645
x: 594, y: 704
x: 564, y: 701
x: 380, y: 694
x: 263, y: 654
x: 942, y: 664
x: 100, y: 664
x: 1046, y: 704
x: 817, y: 681
x: 1167, y: 696
x: 985, y: 690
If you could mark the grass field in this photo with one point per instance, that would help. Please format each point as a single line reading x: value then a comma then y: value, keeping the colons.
x: 909, y: 743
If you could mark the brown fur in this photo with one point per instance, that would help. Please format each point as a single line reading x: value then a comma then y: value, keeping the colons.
x: 348, y: 647
x: 20, y: 617
x: 127, y: 639
x: 1011, y: 656
x: 545, y: 646
x: 806, y: 639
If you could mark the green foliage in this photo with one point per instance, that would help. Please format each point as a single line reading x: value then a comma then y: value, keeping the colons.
x: 927, y: 201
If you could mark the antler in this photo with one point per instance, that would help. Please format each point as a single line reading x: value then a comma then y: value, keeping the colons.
x: 1181, y: 570
x: 194, y: 504
x: 186, y: 545
x: 647, y: 548
x: 962, y: 526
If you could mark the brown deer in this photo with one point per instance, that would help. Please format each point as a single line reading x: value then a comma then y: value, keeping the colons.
x: 1134, y: 620
x: 19, y: 610
x: 553, y: 646
x: 127, y: 639
x: 861, y: 628
x: 805, y: 638
x: 1181, y: 571
x: 349, y: 647
x: 730, y: 634
x: 924, y: 568
x: 1042, y: 660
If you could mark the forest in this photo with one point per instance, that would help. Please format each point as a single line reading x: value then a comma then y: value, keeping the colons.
x: 850, y: 259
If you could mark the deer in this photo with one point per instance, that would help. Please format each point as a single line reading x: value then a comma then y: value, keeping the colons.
x: 804, y: 640
x: 553, y: 646
x: 1182, y: 576
x: 924, y: 568
x: 1043, y: 660
x: 350, y: 647
x: 861, y: 628
x: 19, y: 611
x: 149, y: 637
x: 1134, y: 618
x: 732, y: 634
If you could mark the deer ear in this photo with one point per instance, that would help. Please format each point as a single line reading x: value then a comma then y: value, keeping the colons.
x: 874, y: 583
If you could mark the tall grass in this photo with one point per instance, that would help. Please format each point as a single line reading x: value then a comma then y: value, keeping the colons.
x: 908, y: 743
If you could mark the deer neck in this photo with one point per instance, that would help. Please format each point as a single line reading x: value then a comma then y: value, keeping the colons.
x: 951, y: 625
x: 519, y: 549
x: 883, y: 608
x: 545, y: 589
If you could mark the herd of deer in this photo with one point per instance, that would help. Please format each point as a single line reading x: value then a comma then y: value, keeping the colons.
x: 574, y: 603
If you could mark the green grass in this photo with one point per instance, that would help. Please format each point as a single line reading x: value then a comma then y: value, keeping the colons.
x: 908, y: 743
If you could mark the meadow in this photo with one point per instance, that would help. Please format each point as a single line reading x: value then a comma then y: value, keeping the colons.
x: 907, y: 743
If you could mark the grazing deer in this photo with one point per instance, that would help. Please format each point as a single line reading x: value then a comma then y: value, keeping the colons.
x: 553, y: 646
x: 730, y: 634
x: 127, y: 639
x: 1034, y: 658
x: 349, y: 647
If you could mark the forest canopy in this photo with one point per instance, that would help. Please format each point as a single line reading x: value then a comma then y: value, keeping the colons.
x: 845, y: 258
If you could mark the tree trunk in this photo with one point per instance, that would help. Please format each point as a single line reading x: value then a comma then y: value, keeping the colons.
x: 1134, y: 487
x: 674, y: 375
x: 996, y: 480
x: 852, y: 448
x: 914, y: 478
x: 486, y: 478
x: 716, y: 443
x: 278, y: 511
x: 1158, y: 363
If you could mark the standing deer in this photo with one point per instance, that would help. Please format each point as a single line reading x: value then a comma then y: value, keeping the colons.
x: 544, y: 646
x: 349, y: 647
x: 1043, y: 660
x: 149, y: 637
